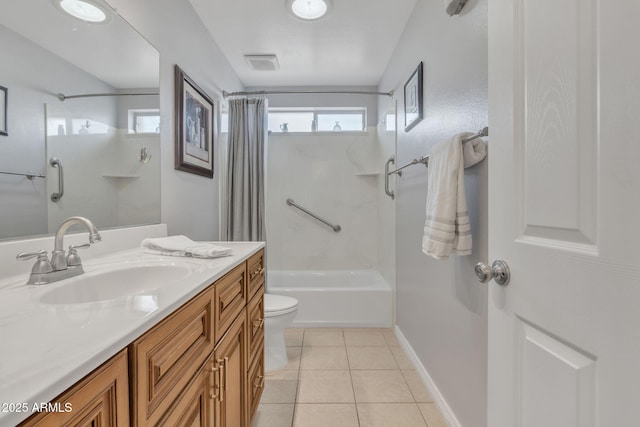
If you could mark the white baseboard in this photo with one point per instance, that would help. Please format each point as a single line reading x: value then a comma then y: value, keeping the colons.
x: 438, y: 399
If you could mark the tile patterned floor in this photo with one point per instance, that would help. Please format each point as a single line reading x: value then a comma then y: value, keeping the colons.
x: 346, y: 378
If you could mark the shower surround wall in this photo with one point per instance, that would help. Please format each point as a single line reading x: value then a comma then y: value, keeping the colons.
x: 441, y: 308
x: 329, y: 174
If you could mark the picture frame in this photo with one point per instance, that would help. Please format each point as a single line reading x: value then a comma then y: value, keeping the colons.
x: 4, y: 92
x: 413, y: 99
x: 194, y: 122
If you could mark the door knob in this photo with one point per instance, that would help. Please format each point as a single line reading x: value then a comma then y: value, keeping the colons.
x: 499, y: 271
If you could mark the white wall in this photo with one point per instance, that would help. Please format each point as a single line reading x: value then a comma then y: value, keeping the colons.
x: 189, y: 202
x: 323, y: 173
x: 441, y: 308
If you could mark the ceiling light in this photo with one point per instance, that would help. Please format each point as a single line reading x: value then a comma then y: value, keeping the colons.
x: 309, y: 10
x: 84, y: 10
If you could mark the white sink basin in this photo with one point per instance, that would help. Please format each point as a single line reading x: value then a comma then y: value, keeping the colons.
x: 116, y: 283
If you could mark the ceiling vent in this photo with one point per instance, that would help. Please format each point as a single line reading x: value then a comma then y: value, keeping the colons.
x: 262, y: 62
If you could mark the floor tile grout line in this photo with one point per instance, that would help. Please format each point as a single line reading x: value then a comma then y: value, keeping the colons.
x: 353, y: 390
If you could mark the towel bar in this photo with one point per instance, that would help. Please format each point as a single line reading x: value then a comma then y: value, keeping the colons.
x: 425, y: 159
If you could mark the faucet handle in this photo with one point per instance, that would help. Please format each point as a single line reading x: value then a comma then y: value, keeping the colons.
x: 23, y: 256
x: 73, y: 259
x: 42, y: 264
x: 72, y: 248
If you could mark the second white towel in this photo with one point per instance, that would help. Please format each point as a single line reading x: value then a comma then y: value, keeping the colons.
x: 446, y: 229
x: 183, y: 246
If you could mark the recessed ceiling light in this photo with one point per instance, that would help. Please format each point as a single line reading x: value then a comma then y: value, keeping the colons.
x: 309, y: 10
x: 84, y: 10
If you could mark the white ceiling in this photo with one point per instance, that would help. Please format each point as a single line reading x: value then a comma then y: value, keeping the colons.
x: 114, y: 52
x: 349, y: 47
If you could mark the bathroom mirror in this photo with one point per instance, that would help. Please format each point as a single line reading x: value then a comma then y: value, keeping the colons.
x: 93, y: 156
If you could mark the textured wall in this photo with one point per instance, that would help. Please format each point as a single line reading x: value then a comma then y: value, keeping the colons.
x: 441, y: 308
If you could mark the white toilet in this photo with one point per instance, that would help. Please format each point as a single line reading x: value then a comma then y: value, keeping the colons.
x: 279, y: 312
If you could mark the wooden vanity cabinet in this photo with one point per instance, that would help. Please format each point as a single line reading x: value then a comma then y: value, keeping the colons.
x: 166, y: 358
x: 230, y: 299
x: 196, y: 405
x: 231, y: 358
x: 255, y: 332
x: 100, y: 399
x: 255, y: 271
x: 203, y: 365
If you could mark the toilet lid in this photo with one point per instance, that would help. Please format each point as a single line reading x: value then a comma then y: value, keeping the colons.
x: 279, y: 304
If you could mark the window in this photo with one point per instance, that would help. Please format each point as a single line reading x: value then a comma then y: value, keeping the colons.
x: 144, y: 121
x: 307, y: 120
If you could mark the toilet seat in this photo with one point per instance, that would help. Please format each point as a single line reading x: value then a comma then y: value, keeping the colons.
x: 277, y: 305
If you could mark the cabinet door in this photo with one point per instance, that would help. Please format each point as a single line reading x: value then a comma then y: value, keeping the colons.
x: 165, y: 359
x: 101, y: 399
x: 231, y: 358
x: 195, y: 406
x: 255, y: 384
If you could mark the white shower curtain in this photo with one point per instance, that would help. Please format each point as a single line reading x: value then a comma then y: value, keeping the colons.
x: 246, y: 170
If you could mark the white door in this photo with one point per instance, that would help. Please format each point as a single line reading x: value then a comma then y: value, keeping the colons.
x: 564, y: 208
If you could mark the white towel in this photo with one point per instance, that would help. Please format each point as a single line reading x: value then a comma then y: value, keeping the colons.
x: 473, y: 151
x: 183, y: 246
x: 446, y: 229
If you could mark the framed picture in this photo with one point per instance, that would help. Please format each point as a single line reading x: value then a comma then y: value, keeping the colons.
x: 413, y: 99
x: 194, y: 127
x: 3, y: 111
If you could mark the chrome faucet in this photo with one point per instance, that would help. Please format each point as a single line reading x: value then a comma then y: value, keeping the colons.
x: 58, y: 259
x: 61, y: 266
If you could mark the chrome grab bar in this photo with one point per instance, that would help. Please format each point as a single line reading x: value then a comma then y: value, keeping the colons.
x: 390, y: 193
x: 56, y: 162
x: 336, y: 228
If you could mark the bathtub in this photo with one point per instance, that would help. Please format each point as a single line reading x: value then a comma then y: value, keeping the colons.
x: 336, y: 298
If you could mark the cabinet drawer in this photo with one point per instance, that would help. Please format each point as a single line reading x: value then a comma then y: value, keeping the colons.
x: 255, y: 323
x: 196, y: 405
x: 100, y: 399
x: 165, y: 359
x: 255, y: 270
x: 230, y: 299
x: 255, y: 384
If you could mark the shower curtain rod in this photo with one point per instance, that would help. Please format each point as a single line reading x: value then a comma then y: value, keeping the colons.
x: 226, y: 94
x: 62, y: 97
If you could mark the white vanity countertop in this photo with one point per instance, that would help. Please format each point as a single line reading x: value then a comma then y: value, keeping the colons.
x: 46, y: 348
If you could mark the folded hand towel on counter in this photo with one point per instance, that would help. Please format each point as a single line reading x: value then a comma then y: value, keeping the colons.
x: 447, y: 229
x: 473, y: 151
x: 183, y: 246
